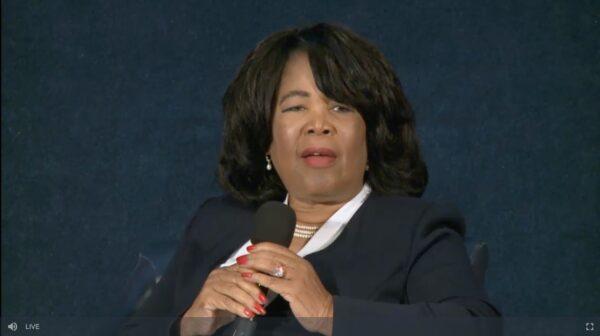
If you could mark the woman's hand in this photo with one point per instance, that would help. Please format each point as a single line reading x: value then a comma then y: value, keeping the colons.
x: 224, y: 295
x: 300, y: 285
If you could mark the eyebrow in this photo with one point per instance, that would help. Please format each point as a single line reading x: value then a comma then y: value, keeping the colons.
x: 294, y: 93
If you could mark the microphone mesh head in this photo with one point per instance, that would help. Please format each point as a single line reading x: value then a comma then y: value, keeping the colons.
x: 274, y: 222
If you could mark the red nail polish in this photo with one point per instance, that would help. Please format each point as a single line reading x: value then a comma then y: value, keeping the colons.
x: 248, y: 313
x: 260, y: 308
x: 242, y: 259
x: 246, y: 275
x: 262, y: 298
x: 250, y: 248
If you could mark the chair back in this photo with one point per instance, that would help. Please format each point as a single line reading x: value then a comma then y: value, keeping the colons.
x: 479, y: 261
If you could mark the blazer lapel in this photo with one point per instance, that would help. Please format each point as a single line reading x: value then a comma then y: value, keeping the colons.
x: 351, y: 265
x: 337, y: 264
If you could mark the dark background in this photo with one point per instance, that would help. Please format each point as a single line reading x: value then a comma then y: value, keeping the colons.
x: 111, y: 126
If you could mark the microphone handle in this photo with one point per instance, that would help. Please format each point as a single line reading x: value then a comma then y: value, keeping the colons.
x: 243, y: 327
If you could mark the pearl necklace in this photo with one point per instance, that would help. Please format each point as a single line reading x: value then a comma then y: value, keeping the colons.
x: 305, y: 231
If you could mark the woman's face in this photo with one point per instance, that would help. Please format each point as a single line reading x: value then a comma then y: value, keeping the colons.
x: 319, y: 146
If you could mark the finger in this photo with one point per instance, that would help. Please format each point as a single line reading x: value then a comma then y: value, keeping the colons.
x: 282, y: 258
x: 250, y: 288
x: 235, y: 291
x: 268, y: 246
x: 266, y: 265
x: 235, y: 275
x: 224, y: 302
x: 278, y: 285
x: 276, y: 258
x: 234, y: 268
x: 240, y: 269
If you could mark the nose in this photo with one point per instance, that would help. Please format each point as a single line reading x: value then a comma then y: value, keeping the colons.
x: 319, y: 124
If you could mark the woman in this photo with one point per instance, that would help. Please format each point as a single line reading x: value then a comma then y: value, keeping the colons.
x: 316, y: 118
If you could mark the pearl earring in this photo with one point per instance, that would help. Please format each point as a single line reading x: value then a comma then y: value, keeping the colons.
x: 269, y: 166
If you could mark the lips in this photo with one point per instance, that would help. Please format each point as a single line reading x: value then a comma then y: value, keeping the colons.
x: 318, y: 157
x: 318, y: 151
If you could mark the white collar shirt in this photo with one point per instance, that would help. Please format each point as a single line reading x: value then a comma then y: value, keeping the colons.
x: 326, y: 234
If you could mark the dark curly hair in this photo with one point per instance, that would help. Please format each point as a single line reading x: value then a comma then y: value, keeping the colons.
x: 347, y: 69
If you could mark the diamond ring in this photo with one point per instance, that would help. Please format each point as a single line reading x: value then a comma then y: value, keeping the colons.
x: 279, y: 272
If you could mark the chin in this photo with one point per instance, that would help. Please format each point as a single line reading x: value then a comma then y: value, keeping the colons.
x: 321, y: 188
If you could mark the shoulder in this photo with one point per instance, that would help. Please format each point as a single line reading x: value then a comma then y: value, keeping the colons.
x: 420, y: 215
x: 217, y: 216
x: 222, y: 204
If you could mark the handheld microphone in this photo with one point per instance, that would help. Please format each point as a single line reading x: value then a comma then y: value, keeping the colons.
x: 274, y: 222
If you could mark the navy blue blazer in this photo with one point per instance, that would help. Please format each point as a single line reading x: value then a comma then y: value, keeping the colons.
x: 400, y: 262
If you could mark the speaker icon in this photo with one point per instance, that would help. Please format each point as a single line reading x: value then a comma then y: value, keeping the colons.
x: 589, y: 326
x: 13, y: 326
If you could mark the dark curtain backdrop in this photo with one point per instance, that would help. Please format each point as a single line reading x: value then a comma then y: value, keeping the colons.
x: 111, y: 125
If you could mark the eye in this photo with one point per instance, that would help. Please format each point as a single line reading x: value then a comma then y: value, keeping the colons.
x: 293, y: 108
x: 342, y: 108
